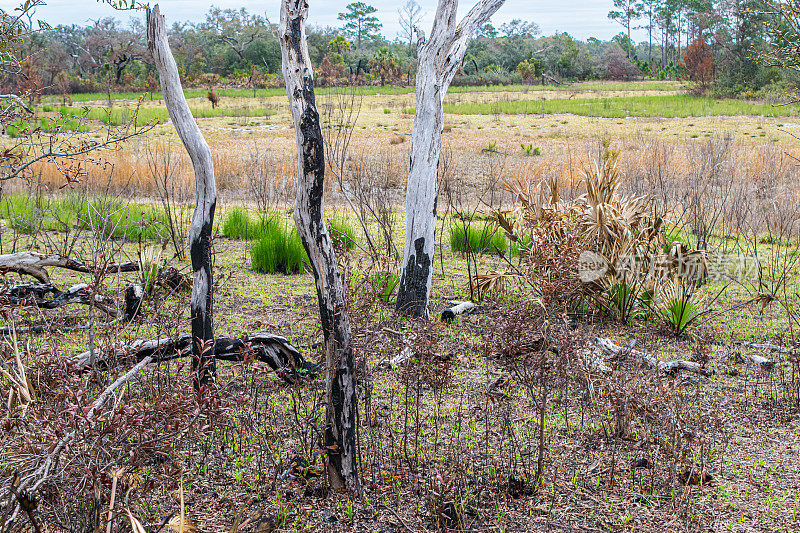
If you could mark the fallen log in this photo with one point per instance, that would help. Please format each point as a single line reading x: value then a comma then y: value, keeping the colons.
x: 287, y: 362
x: 773, y: 348
x: 50, y: 328
x: 552, y: 79
x: 595, y: 360
x: 612, y: 350
x: 458, y: 308
x: 763, y: 362
x: 34, y: 264
x: 48, y: 296
x: 402, y: 358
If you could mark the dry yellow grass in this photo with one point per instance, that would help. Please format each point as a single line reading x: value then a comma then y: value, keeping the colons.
x: 567, y: 142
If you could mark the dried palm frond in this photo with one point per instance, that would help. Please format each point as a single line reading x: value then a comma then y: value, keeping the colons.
x: 538, y: 202
x: 185, y: 525
x: 619, y: 229
x: 491, y: 281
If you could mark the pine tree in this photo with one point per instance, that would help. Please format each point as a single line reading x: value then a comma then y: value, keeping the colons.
x: 360, y: 23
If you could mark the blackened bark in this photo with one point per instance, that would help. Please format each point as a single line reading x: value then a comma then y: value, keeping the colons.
x: 412, y: 295
x: 287, y: 362
x: 341, y: 423
x: 202, y: 309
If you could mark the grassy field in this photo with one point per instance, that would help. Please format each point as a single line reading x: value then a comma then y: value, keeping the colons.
x: 484, y: 404
x: 673, y: 106
x: 382, y: 90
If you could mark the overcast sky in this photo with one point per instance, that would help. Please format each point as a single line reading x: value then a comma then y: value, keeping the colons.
x: 581, y: 19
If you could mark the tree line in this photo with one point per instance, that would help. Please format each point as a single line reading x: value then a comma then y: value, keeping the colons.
x: 719, y: 43
x: 238, y: 47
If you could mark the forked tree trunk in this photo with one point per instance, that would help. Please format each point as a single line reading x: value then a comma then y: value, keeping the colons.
x: 439, y: 59
x: 340, y: 433
x: 205, y: 201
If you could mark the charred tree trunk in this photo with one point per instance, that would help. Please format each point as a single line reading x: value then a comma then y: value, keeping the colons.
x: 340, y: 433
x: 439, y: 59
x: 205, y: 202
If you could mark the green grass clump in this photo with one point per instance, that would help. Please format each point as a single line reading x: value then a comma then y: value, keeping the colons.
x: 342, y: 232
x: 109, y: 218
x: 278, y: 249
x: 27, y: 215
x: 132, y: 222
x: 385, y: 284
x: 17, y: 128
x: 483, y: 240
x: 237, y: 225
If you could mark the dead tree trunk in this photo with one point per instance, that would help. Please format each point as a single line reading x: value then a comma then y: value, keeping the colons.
x: 340, y: 433
x: 205, y: 201
x: 439, y: 59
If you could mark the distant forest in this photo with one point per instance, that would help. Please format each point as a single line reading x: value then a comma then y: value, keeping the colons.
x: 714, y: 43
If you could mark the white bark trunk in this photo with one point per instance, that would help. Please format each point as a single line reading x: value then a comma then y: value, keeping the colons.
x: 773, y: 348
x: 439, y: 59
x: 340, y: 433
x: 205, y: 201
x: 763, y: 362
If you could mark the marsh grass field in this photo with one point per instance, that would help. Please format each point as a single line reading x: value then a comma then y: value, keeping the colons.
x: 452, y: 441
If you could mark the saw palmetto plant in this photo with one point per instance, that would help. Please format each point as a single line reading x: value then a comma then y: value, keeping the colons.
x: 628, y: 235
x: 679, y: 306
